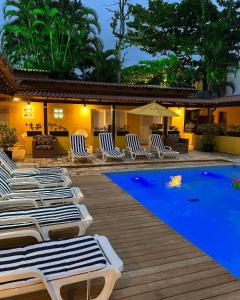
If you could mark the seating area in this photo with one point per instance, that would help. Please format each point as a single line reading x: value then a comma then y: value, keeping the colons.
x: 30, y: 207
x: 107, y: 149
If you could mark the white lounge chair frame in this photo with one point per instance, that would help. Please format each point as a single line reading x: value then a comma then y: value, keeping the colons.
x: 111, y: 273
x: 107, y: 148
x: 158, y: 147
x: 30, y: 169
x: 44, y: 231
x: 78, y: 148
x: 35, y: 195
x: 137, y: 150
x: 36, y: 181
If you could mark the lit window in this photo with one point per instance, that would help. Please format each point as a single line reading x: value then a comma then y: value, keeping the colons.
x: 28, y: 112
x: 58, y: 113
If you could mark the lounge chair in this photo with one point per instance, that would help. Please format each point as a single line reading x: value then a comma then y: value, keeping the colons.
x: 44, y: 218
x: 36, y: 181
x: 31, y: 168
x: 157, y: 146
x: 45, y: 196
x: 107, y: 148
x: 53, y: 264
x: 134, y: 148
x: 78, y: 148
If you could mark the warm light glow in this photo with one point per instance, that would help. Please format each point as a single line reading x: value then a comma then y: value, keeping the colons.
x: 16, y: 99
x: 84, y: 108
x: 29, y: 104
x: 176, y: 181
x: 179, y: 111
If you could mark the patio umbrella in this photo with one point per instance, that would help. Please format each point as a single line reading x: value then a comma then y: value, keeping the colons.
x: 155, y: 110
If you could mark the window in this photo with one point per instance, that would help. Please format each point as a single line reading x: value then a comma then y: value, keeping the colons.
x: 58, y: 113
x: 28, y: 112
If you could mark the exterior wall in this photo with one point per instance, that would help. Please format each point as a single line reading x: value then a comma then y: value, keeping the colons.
x: 233, y: 114
x: 224, y: 144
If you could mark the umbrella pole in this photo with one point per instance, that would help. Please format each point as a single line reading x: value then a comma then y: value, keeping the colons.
x: 113, y: 111
x: 165, y: 126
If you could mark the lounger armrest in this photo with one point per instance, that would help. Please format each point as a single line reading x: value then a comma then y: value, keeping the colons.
x: 21, y: 233
x: 30, y: 165
x: 29, y: 184
x: 110, y: 254
x: 118, y: 149
x: 27, y: 273
x: 24, y: 196
x: 20, y: 219
x: 18, y: 203
x: 168, y: 148
x: 85, y: 214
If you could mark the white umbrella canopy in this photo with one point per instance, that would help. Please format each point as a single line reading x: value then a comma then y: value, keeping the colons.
x: 153, y: 109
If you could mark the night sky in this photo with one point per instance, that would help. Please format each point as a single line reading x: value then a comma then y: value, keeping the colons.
x: 134, y: 54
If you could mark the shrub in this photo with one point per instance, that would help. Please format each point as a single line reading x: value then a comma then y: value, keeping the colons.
x: 8, y: 137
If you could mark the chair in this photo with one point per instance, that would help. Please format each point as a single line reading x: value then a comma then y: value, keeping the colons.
x: 46, y: 196
x: 78, y: 148
x: 133, y: 146
x: 107, y: 148
x: 53, y: 264
x: 157, y: 146
x: 36, y: 181
x: 44, y: 146
x: 20, y: 172
x: 176, y: 143
x: 43, y: 218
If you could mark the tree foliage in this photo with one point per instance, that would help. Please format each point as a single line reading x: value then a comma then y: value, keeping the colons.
x: 58, y: 36
x: 168, y: 71
x: 200, y: 32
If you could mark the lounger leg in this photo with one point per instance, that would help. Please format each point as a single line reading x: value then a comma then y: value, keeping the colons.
x: 55, y: 291
x: 110, y: 279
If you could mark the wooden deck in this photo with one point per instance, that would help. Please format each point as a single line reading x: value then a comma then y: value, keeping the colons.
x: 158, y: 262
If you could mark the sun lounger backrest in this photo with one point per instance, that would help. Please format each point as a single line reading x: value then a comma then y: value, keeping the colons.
x: 6, y: 161
x: 4, y: 174
x: 56, y: 259
x: 4, y: 187
x: 78, y: 143
x: 132, y: 141
x: 156, y: 141
x: 106, y: 141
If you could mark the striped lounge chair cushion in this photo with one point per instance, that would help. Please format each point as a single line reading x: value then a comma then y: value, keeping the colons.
x: 106, y: 143
x: 42, y: 179
x: 7, y: 161
x: 46, y: 194
x: 24, y: 172
x: 44, y: 215
x: 56, y: 259
x: 134, y: 145
x: 78, y: 145
x: 157, y: 141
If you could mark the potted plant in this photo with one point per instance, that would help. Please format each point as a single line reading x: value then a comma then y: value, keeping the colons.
x: 34, y: 129
x: 58, y: 130
x: 122, y: 131
x: 8, y: 138
x: 209, y: 131
x: 98, y: 130
x: 156, y: 128
x: 233, y: 130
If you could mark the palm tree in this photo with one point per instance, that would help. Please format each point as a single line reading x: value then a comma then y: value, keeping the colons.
x: 58, y: 36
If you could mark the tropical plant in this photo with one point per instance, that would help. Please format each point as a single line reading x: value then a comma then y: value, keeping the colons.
x: 58, y: 36
x: 8, y: 137
x: 167, y: 71
x: 105, y: 67
x: 209, y: 131
x: 201, y: 33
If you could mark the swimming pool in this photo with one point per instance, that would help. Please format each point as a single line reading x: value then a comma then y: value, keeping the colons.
x: 200, y: 203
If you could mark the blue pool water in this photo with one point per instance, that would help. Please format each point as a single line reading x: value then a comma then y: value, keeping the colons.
x: 199, y: 203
